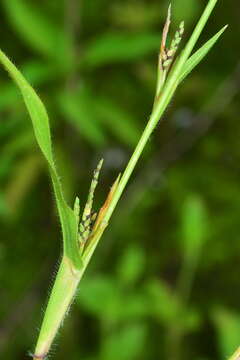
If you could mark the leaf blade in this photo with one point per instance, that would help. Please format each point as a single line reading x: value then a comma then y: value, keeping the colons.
x: 45, y: 37
x: 40, y: 122
x: 114, y: 47
x: 199, y: 55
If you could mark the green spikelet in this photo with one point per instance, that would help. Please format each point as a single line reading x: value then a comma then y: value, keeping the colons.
x: 177, y: 38
x: 161, y: 77
x: 170, y: 53
x: 166, y: 55
x: 163, y: 50
x: 76, y: 209
x: 88, y: 217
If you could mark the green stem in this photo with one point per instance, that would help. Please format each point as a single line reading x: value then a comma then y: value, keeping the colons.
x: 160, y: 107
x: 61, y: 297
x: 68, y: 277
x: 236, y: 355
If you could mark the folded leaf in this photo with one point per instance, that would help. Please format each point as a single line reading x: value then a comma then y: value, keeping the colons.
x: 199, y: 55
x: 41, y: 128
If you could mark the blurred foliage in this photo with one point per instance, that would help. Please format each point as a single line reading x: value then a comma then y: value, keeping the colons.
x: 164, y: 282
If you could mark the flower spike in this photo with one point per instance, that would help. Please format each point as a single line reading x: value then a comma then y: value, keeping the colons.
x: 88, y: 216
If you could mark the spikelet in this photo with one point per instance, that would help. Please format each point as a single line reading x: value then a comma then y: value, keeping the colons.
x: 76, y: 208
x: 169, y: 54
x: 88, y: 216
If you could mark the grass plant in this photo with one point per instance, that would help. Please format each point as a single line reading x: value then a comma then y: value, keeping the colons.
x: 82, y: 231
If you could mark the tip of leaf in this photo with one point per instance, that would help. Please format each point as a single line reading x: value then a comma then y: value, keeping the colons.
x: 169, y: 9
x: 77, y: 200
x: 116, y: 182
x: 169, y: 14
x: 76, y: 206
x: 100, y: 163
x: 99, y: 167
x: 223, y: 29
x: 182, y: 24
x: 200, y: 54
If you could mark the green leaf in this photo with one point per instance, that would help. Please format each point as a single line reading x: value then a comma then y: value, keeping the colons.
x: 115, y: 47
x: 37, y: 73
x: 199, y: 55
x: 4, y: 211
x: 37, y: 30
x: 78, y: 108
x: 131, y: 265
x: 98, y: 293
x: 41, y: 128
x: 228, y: 329
x: 103, y: 292
x: 193, y: 226
x: 24, y: 175
x: 122, y: 124
x: 163, y: 305
x: 125, y: 344
x: 167, y: 308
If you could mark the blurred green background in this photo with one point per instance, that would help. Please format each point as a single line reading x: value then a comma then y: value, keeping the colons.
x: 164, y: 282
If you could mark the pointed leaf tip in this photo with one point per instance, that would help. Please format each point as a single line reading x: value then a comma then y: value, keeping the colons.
x: 100, y: 163
x: 169, y: 9
x: 199, y: 55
